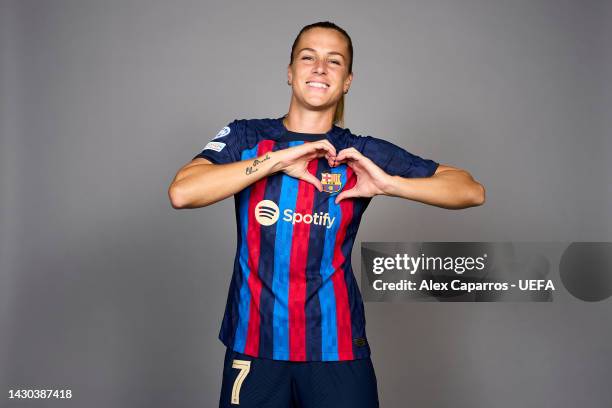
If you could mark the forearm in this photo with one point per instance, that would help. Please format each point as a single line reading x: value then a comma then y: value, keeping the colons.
x: 453, y: 189
x: 205, y: 184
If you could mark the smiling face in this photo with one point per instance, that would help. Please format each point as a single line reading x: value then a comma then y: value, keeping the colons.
x: 319, y: 74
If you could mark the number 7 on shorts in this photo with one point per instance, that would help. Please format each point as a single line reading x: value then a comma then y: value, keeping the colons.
x: 244, y: 366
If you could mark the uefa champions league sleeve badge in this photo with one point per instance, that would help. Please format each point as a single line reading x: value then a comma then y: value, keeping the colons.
x: 223, y: 132
x: 331, y: 182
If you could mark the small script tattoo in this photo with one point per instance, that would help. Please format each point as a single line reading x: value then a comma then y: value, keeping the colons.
x: 251, y: 168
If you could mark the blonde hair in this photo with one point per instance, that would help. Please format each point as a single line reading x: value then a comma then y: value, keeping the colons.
x: 339, y: 113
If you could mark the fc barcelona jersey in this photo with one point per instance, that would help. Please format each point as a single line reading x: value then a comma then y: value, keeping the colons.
x: 293, y: 295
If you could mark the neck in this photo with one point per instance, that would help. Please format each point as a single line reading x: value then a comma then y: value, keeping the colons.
x: 308, y: 121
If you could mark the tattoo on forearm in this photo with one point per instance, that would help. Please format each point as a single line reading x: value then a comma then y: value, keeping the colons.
x: 251, y: 169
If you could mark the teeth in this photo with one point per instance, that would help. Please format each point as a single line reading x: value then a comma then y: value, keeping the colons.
x: 317, y: 84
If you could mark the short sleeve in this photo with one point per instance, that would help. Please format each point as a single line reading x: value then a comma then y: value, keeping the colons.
x: 394, y: 160
x: 225, y: 146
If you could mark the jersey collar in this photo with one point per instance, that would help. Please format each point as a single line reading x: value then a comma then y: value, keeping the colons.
x: 285, y: 135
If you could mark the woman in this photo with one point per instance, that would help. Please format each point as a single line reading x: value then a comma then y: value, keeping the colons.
x: 294, y: 323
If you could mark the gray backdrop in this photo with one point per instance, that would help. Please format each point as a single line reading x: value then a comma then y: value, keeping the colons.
x: 107, y: 290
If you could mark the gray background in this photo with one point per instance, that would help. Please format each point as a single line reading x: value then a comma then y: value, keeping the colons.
x: 107, y: 290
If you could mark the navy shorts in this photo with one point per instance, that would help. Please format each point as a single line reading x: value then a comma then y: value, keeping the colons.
x: 250, y: 382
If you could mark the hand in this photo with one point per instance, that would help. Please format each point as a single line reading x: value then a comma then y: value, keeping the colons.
x: 371, y: 179
x: 293, y: 161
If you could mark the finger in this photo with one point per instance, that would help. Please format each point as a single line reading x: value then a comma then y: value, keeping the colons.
x: 346, y: 160
x: 308, y: 177
x: 346, y: 194
x: 325, y: 144
x: 323, y: 151
x: 331, y: 146
x: 331, y: 161
x: 350, y: 153
x: 353, y: 163
x: 320, y: 151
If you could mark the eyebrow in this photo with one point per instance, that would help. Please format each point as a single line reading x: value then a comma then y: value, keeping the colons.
x: 329, y: 53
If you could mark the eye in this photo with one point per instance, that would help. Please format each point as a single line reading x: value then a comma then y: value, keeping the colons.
x: 306, y: 57
x: 335, y: 62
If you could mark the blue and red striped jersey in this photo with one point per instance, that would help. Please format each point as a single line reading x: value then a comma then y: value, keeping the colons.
x: 293, y: 295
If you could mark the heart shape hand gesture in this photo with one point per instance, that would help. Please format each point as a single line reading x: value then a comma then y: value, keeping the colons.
x: 371, y: 179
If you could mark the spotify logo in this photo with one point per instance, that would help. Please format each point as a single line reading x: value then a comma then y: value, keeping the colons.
x: 266, y: 212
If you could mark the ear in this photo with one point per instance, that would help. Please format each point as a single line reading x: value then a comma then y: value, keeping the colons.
x: 289, y: 74
x: 348, y: 81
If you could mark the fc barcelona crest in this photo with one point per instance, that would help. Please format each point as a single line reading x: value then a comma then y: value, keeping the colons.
x: 331, y: 182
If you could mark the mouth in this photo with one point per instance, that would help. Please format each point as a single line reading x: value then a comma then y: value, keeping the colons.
x: 316, y: 84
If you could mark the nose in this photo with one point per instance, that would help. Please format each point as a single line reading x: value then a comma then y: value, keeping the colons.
x: 320, y: 67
